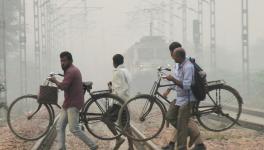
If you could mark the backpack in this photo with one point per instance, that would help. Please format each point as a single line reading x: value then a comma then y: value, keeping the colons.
x: 199, y: 86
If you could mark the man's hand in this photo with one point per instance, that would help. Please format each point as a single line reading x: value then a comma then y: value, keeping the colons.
x: 53, y: 79
x: 170, y: 78
x: 166, y: 93
x: 177, y: 82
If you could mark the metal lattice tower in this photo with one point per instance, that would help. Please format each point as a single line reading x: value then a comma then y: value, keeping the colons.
x: 37, y: 40
x: 212, y: 34
x: 49, y: 36
x: 52, y: 29
x: 151, y: 24
x: 22, y: 47
x: 184, y: 21
x: 3, y: 96
x: 161, y: 17
x: 43, y: 31
x: 200, y: 18
x: 171, y: 34
x: 245, y: 43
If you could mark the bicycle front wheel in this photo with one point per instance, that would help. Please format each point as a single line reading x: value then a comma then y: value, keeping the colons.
x: 221, y: 109
x: 101, y: 116
x: 28, y: 119
x: 147, y: 117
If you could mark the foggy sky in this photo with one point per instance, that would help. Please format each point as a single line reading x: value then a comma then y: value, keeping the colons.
x: 111, y: 30
x: 117, y: 38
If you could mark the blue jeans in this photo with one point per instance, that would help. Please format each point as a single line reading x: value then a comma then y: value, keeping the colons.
x: 71, y: 116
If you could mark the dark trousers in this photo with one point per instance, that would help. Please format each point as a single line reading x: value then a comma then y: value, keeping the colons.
x: 113, y: 113
x: 180, y: 118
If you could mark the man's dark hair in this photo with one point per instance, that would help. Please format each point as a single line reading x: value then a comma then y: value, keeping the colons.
x: 174, y: 45
x: 66, y: 54
x: 118, y: 59
x: 181, y: 53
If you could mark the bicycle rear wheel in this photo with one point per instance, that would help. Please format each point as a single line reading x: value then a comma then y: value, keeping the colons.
x: 26, y: 121
x: 101, y: 116
x: 3, y: 114
x: 221, y: 109
x: 147, y: 117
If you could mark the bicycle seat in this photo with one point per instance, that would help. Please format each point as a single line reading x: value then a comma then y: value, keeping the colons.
x: 88, y: 85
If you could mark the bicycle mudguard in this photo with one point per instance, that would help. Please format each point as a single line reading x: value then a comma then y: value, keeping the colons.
x: 93, y: 96
x: 219, y: 84
x: 101, y: 92
x: 215, y: 84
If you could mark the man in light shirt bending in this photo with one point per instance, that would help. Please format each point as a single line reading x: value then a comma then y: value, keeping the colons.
x: 120, y: 86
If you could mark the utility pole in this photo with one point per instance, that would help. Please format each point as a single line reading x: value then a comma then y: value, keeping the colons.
x: 22, y: 47
x: 37, y: 41
x: 200, y: 19
x: 245, y: 44
x: 171, y: 34
x: 43, y: 40
x: 3, y: 97
x: 184, y: 22
x: 151, y: 24
x: 161, y: 24
x: 212, y: 34
x: 49, y: 36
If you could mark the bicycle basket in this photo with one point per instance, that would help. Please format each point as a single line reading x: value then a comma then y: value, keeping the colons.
x: 48, y: 95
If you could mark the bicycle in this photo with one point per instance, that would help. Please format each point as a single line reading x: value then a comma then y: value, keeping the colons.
x: 147, y: 111
x: 30, y: 120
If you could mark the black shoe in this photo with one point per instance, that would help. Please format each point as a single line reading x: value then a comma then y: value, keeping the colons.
x: 95, y: 148
x: 192, y: 140
x: 168, y: 147
x: 199, y: 147
x: 119, y: 143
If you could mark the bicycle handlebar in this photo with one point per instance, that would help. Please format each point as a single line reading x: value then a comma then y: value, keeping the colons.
x: 162, y: 74
x: 163, y: 69
x: 55, y: 74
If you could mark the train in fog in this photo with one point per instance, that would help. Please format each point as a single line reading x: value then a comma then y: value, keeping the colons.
x: 143, y: 58
x: 148, y: 53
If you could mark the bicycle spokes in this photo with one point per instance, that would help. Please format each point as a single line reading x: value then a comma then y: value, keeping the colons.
x: 146, y: 115
x: 27, y: 119
x: 101, y: 116
x: 220, y: 110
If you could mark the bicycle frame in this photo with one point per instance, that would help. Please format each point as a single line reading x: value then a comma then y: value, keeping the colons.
x: 92, y: 96
x: 156, y: 95
x: 212, y: 84
x: 157, y: 85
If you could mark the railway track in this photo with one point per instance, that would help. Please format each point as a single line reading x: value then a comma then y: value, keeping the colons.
x: 250, y: 119
x: 148, y: 145
x: 45, y: 142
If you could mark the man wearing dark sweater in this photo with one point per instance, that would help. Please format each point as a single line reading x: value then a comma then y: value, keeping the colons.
x: 73, y: 102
